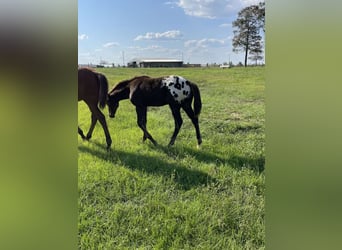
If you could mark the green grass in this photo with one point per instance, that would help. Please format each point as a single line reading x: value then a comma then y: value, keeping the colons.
x: 138, y: 196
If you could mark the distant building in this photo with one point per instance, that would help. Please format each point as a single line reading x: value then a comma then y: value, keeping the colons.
x: 192, y: 65
x: 154, y: 63
x: 225, y: 66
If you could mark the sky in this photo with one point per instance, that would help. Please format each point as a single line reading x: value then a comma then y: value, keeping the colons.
x: 195, y: 31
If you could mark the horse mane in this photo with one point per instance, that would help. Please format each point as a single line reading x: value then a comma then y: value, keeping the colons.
x: 124, y: 83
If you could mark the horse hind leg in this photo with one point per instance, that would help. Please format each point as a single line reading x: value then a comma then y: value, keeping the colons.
x: 102, y: 120
x: 80, y: 132
x: 96, y: 114
x: 178, y: 123
x: 92, y: 126
x: 188, y: 110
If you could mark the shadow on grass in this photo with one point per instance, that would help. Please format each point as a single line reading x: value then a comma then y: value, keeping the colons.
x: 237, y: 162
x: 184, y: 177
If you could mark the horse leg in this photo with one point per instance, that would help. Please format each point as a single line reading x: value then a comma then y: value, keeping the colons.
x: 178, y: 123
x: 188, y: 110
x: 141, y: 120
x: 81, y: 133
x: 102, y: 120
x: 92, y: 126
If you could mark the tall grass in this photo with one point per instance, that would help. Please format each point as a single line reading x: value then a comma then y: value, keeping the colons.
x: 140, y: 196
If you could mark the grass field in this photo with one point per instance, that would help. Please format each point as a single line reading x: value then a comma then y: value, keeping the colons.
x: 140, y: 196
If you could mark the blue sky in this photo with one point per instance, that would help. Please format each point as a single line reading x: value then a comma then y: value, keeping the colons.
x: 195, y: 31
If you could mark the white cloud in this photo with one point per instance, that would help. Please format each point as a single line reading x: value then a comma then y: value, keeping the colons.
x: 82, y: 37
x: 110, y: 44
x: 213, y: 8
x: 250, y: 2
x: 148, y: 48
x: 168, y: 35
x: 205, y: 43
x: 170, y: 3
x: 151, y: 48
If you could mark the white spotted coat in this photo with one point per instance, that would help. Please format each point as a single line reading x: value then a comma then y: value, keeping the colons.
x: 178, y: 86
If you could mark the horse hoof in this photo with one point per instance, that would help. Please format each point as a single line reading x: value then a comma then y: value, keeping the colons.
x: 109, y: 143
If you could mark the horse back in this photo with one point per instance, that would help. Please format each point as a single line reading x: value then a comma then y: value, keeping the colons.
x: 88, y: 86
x: 148, y: 91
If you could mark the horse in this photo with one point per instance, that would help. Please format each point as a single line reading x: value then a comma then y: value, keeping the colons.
x: 93, y: 90
x: 144, y: 91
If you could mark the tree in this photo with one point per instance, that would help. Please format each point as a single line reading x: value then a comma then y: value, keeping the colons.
x: 246, y: 33
x: 255, y: 52
x: 256, y: 56
x: 261, y: 15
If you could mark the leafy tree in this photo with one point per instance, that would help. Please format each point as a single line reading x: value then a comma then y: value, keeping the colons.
x: 256, y: 57
x: 247, y: 27
x: 255, y: 53
x: 261, y: 15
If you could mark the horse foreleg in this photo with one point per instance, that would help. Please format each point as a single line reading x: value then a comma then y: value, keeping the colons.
x: 178, y: 123
x: 142, y: 120
x: 188, y: 110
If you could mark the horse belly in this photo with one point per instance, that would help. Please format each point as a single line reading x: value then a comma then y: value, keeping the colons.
x: 150, y: 97
x: 155, y: 103
x: 148, y: 101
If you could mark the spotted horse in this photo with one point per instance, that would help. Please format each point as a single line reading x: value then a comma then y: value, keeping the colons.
x: 144, y: 91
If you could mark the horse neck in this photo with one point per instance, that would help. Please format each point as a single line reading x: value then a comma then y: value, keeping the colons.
x: 122, y: 92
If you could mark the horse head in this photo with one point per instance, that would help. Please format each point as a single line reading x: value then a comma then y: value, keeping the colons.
x: 112, y: 105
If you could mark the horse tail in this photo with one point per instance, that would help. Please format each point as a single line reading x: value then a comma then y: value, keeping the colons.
x: 197, y: 99
x: 103, y: 90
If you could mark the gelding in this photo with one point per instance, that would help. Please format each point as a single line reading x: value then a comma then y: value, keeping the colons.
x: 93, y: 90
x: 143, y: 91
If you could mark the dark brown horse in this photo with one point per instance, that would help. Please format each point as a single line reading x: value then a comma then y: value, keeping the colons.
x: 144, y: 91
x: 93, y: 90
